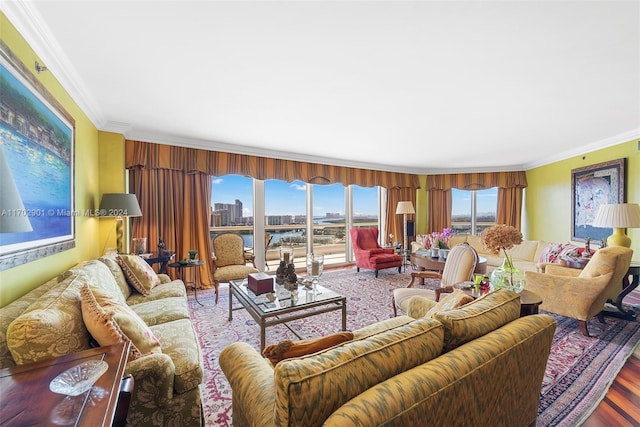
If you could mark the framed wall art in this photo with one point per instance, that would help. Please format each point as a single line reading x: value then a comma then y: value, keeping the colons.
x: 37, y: 163
x: 592, y: 186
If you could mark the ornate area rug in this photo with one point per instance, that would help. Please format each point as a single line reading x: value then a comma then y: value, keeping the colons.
x: 579, y: 372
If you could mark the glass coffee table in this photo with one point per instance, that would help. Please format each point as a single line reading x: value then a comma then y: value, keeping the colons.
x: 282, y: 306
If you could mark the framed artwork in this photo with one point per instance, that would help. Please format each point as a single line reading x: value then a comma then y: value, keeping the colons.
x: 37, y: 163
x: 592, y: 186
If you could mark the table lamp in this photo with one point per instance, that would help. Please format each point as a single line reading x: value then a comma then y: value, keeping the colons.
x: 119, y: 205
x: 10, y: 201
x: 618, y: 216
x: 404, y: 208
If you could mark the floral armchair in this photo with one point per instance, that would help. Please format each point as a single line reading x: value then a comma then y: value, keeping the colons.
x: 368, y: 252
x: 229, y: 262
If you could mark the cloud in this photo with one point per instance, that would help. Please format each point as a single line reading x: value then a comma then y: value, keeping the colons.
x: 216, y: 181
x: 298, y: 187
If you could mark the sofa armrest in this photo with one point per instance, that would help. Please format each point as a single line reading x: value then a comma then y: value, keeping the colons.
x: 558, y: 270
x: 252, y: 382
x: 164, y: 278
x: 153, y: 375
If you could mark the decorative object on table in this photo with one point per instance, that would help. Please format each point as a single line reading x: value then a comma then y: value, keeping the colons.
x: 286, y: 254
x: 193, y: 254
x: 280, y: 273
x: 591, y: 187
x: 161, y: 246
x: 139, y: 245
x: 118, y: 206
x: 260, y: 283
x: 587, y: 248
x: 437, y: 241
x: 78, y: 379
x: 618, y: 216
x: 502, y: 237
x: 404, y: 208
x: 315, y: 266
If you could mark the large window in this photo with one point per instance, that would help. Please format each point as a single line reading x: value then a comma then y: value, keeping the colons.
x: 473, y: 211
x: 291, y: 211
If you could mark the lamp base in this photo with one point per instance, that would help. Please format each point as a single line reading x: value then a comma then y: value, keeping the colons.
x: 618, y: 238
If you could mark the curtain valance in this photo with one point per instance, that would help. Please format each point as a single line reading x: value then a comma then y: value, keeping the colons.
x: 148, y: 155
x: 477, y: 181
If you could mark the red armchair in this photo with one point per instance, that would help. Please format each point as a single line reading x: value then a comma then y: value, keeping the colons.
x: 369, y: 254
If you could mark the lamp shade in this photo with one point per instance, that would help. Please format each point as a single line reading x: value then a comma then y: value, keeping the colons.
x: 16, y: 221
x: 405, y: 207
x: 618, y: 216
x: 119, y: 204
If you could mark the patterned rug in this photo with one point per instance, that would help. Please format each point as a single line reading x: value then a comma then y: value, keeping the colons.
x: 579, y: 372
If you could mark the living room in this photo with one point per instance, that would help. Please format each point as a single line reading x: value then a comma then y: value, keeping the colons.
x: 100, y: 159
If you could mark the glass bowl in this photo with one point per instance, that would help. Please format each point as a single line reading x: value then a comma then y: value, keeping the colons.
x: 78, y: 379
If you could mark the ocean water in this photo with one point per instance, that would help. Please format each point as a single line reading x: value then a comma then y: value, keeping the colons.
x: 44, y: 183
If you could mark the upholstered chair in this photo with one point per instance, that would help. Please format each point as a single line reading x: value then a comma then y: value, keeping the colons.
x: 581, y: 294
x: 458, y: 268
x: 229, y: 262
x: 369, y: 254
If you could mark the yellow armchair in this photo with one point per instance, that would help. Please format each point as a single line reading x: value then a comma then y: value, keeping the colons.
x: 581, y: 294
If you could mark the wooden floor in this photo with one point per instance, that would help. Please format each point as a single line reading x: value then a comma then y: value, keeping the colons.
x: 621, y: 405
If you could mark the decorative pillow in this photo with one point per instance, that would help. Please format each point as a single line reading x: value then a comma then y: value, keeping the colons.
x: 139, y: 273
x: 288, y: 349
x: 453, y: 300
x: 110, y: 322
x: 569, y: 250
x: 551, y: 252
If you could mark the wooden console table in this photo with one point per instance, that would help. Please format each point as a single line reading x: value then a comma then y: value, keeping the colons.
x: 27, y: 401
x: 627, y: 287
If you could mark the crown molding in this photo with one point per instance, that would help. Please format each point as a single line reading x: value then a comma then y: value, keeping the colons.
x: 35, y: 31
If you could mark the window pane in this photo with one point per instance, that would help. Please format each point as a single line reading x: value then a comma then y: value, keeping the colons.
x: 460, y: 211
x: 285, y: 218
x: 232, y: 206
x: 329, y: 226
x: 486, y: 209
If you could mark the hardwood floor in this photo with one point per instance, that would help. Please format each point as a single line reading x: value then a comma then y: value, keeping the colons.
x: 621, y: 405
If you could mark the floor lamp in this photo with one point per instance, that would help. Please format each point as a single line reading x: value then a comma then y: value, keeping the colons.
x: 618, y: 216
x: 404, y: 208
x: 119, y: 205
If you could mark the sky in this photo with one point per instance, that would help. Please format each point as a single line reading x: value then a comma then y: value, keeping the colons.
x: 283, y: 198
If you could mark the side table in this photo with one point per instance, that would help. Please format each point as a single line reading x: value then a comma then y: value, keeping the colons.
x: 181, y: 268
x: 627, y: 287
x: 27, y: 400
x: 161, y: 258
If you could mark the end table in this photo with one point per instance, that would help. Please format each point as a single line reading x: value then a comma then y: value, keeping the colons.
x: 182, y: 268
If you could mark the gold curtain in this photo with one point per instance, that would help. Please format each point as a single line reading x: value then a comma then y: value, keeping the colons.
x: 175, y: 208
x: 510, y: 185
x: 395, y: 222
x: 439, y: 210
x: 216, y: 163
x: 510, y: 207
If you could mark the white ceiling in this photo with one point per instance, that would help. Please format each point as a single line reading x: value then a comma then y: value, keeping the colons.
x: 414, y: 86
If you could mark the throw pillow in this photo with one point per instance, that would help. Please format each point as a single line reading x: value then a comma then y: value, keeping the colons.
x: 550, y: 253
x: 110, y: 321
x: 139, y: 273
x: 288, y: 349
x: 453, y: 300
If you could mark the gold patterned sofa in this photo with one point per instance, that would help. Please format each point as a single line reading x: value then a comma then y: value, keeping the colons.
x: 480, y: 364
x: 166, y: 362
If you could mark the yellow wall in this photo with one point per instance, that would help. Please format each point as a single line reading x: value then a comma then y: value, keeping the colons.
x: 112, y: 180
x: 548, y: 195
x: 17, y: 281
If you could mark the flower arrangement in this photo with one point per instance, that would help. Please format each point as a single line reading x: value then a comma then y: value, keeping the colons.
x: 439, y: 240
x: 498, y: 238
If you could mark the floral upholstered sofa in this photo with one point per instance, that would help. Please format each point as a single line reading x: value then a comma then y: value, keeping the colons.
x: 115, y: 299
x: 480, y: 364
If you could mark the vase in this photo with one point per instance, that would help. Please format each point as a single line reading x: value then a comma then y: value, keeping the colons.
x: 507, y: 276
x: 434, y: 252
x: 443, y: 253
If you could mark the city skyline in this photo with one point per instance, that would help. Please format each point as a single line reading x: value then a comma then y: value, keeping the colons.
x: 326, y: 198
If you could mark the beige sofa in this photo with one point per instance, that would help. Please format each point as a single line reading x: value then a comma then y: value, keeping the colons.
x: 526, y: 256
x: 480, y: 364
x: 48, y: 322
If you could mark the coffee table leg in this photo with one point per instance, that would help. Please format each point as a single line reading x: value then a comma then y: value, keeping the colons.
x: 262, y: 336
x: 230, y: 302
x: 344, y: 315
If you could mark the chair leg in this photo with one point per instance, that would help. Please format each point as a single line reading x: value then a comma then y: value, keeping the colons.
x: 393, y: 305
x: 601, y: 317
x: 583, y: 328
x: 217, y: 286
x: 357, y: 269
x: 376, y: 273
x: 400, y: 269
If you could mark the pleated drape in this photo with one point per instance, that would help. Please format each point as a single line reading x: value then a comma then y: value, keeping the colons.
x: 439, y: 210
x: 510, y: 207
x: 395, y: 222
x: 175, y: 208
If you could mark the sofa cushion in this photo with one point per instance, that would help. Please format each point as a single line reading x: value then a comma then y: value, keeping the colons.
x: 118, y: 274
x: 174, y: 288
x: 550, y: 252
x: 162, y: 310
x: 479, y: 317
x: 95, y: 301
x: 99, y: 274
x: 139, y: 273
x: 331, y: 377
x: 525, y: 250
x: 178, y: 340
x: 51, y: 327
x: 450, y: 301
x: 102, y: 325
x: 288, y: 349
